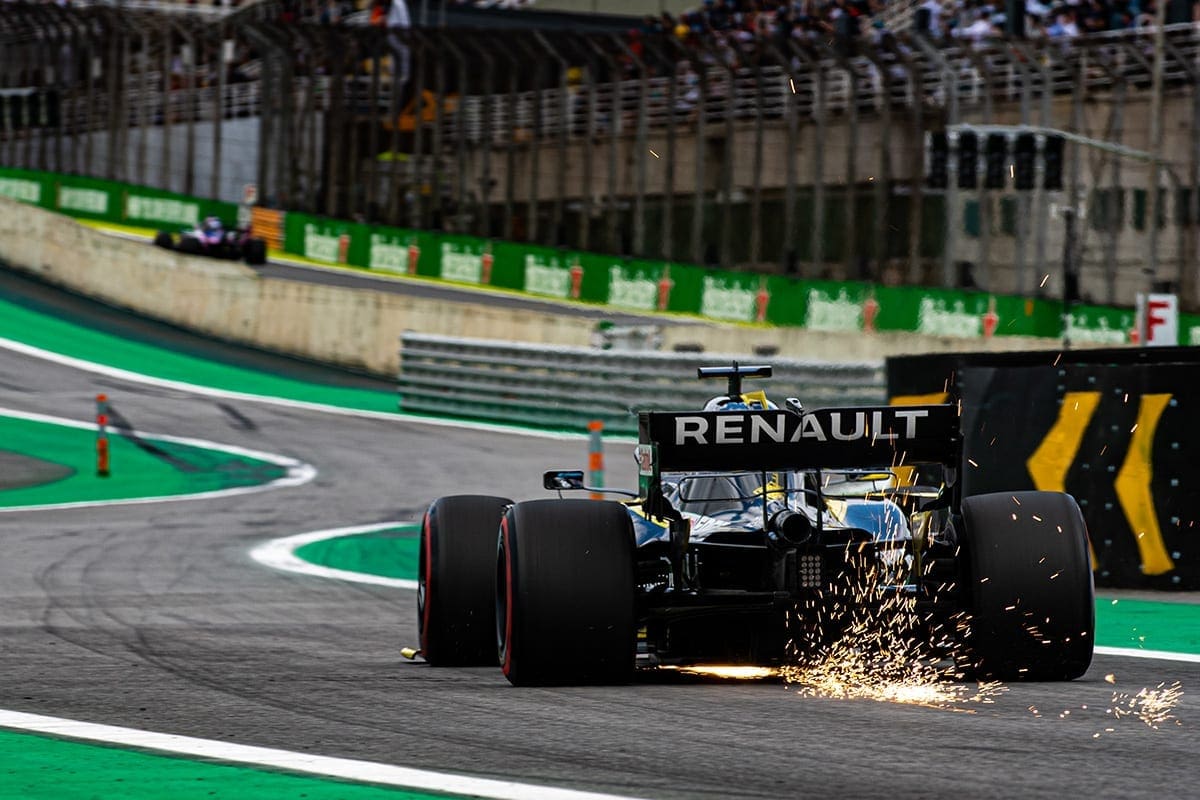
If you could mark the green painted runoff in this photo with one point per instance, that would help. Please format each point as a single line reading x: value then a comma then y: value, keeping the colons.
x: 38, y: 767
x: 171, y: 469
x: 391, y: 552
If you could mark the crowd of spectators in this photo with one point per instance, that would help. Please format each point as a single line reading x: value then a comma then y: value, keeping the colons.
x: 974, y: 20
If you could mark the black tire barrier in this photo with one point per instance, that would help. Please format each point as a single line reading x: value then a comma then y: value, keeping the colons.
x: 1113, y: 428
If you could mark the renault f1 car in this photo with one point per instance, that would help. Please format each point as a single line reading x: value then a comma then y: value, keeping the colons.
x: 212, y: 239
x: 750, y: 522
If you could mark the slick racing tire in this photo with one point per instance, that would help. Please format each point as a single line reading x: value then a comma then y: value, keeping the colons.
x: 1029, y: 580
x: 565, y: 593
x: 455, y: 583
x: 254, y: 251
x: 164, y: 240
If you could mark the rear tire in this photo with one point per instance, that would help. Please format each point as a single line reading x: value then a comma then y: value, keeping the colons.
x: 1029, y: 581
x: 456, y: 580
x: 254, y: 251
x: 565, y: 593
x: 190, y: 245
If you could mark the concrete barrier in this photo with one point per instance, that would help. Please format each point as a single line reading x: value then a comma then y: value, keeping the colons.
x: 358, y: 328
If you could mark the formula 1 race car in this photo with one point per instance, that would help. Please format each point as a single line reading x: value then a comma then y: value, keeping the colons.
x: 749, y: 542
x: 212, y: 239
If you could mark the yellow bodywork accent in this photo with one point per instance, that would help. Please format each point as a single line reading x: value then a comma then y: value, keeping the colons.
x: 933, y: 399
x: 752, y: 399
x: 1133, y: 487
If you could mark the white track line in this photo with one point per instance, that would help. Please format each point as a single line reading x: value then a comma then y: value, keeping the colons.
x: 298, y: 472
x: 325, y: 766
x: 195, y: 388
x: 1157, y: 655
x: 281, y: 554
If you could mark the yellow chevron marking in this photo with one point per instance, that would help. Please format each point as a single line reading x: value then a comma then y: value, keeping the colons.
x: 904, y: 475
x: 1049, y: 463
x: 1133, y: 487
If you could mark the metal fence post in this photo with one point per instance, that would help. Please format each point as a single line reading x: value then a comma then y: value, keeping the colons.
x: 881, y: 201
x: 638, y: 246
x: 788, y: 257
x: 560, y: 140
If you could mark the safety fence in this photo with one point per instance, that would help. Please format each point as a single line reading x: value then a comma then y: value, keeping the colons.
x: 566, y: 387
x: 1114, y: 428
x: 802, y: 155
x: 622, y: 284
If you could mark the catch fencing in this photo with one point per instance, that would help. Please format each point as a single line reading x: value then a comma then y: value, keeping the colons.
x: 567, y: 387
x: 801, y: 156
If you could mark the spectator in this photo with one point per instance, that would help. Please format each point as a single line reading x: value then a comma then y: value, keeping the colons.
x: 398, y: 24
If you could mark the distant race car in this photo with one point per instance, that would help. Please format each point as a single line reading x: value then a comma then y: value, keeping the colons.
x: 213, y: 239
x: 752, y: 527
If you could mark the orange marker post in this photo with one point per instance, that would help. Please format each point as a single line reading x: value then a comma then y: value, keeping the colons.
x: 102, y: 435
x: 596, y: 457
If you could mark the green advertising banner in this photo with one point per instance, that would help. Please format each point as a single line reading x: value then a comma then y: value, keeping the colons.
x: 1189, y: 328
x: 1100, y: 325
x: 27, y: 186
x: 466, y: 259
x: 823, y: 305
x: 327, y: 240
x: 614, y: 282
x: 540, y: 271
x: 638, y: 285
x: 402, y: 251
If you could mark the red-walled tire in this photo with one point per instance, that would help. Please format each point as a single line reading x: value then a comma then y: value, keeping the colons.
x: 456, y: 580
x: 1033, y: 613
x: 565, y: 593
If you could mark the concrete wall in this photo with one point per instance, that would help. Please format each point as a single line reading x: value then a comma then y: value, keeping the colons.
x: 353, y: 327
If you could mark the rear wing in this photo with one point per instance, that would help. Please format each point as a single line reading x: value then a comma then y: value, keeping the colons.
x: 776, y: 440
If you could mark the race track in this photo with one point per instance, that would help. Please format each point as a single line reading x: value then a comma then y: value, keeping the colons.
x: 155, y: 617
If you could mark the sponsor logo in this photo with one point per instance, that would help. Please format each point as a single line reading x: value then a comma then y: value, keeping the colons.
x: 387, y: 254
x: 842, y: 426
x: 321, y: 246
x: 89, y: 201
x: 463, y: 267
x: 162, y: 209
x: 546, y: 279
x: 638, y: 291
x: 936, y: 319
x: 1194, y: 335
x: 1081, y: 329
x: 22, y: 190
x: 828, y: 313
x: 724, y: 301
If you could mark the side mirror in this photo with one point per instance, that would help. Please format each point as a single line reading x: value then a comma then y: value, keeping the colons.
x: 563, y: 479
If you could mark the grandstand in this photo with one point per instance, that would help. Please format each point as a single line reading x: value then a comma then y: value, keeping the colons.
x: 765, y: 153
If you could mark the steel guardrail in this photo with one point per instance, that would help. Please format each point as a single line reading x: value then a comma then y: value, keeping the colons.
x: 566, y: 387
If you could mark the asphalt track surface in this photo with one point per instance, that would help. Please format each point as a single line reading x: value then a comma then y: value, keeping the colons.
x: 155, y: 617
